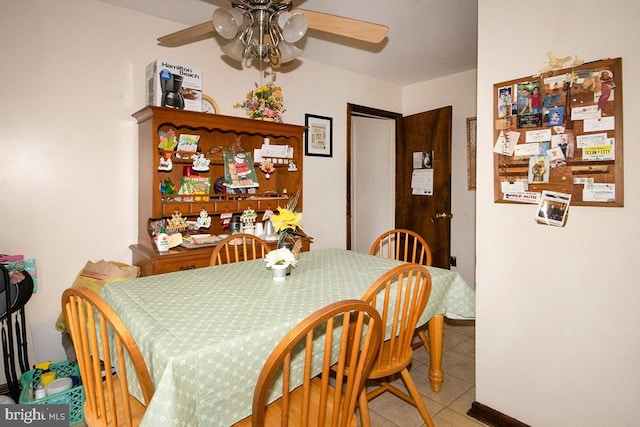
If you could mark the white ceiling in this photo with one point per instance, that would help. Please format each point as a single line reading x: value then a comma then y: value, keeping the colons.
x: 427, y: 38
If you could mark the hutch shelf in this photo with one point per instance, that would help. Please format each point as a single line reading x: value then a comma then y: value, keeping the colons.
x: 217, y: 134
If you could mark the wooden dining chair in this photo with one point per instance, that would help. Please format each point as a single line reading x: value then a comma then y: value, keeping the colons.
x: 402, y: 245
x: 405, y: 245
x: 344, y: 333
x: 239, y: 247
x: 400, y: 295
x: 108, y: 403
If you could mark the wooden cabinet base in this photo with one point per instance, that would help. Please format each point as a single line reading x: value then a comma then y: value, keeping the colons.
x: 152, y: 262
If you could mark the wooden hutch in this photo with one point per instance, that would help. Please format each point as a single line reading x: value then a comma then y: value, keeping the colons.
x: 217, y: 133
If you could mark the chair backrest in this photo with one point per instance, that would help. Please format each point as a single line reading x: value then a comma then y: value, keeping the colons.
x: 239, y: 247
x: 400, y: 295
x: 89, y: 320
x: 343, y: 334
x: 402, y: 245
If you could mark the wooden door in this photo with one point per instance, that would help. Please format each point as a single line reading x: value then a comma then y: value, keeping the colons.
x: 428, y: 215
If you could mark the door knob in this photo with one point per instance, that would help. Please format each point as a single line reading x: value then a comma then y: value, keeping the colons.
x: 443, y: 215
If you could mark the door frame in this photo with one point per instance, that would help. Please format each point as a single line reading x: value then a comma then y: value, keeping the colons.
x: 360, y: 110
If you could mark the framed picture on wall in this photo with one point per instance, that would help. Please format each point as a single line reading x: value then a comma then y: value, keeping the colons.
x: 318, y: 140
x: 471, y: 153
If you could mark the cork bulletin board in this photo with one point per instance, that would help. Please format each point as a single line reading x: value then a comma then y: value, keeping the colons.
x: 561, y: 131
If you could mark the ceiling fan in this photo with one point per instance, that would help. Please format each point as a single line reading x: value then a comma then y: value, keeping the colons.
x: 267, y: 30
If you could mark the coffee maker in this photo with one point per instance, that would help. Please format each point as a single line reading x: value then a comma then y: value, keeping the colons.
x: 171, y: 96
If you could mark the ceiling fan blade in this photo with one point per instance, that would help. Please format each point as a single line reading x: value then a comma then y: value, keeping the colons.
x: 188, y: 35
x: 347, y: 27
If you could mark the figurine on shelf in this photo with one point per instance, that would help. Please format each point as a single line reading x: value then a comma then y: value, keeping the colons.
x: 165, y: 162
x: 204, y: 220
x: 236, y: 146
x: 267, y: 167
x: 176, y: 223
x: 292, y: 166
x: 225, y: 219
x: 267, y: 214
x: 200, y: 163
x: 248, y: 218
x: 167, y: 187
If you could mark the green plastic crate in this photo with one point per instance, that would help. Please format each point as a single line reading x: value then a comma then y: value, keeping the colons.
x: 74, y: 397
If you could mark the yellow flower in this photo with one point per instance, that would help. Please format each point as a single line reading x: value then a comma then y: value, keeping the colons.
x: 285, y: 220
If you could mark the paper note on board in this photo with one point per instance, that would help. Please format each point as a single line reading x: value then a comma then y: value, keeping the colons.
x: 603, y: 123
x: 422, y: 182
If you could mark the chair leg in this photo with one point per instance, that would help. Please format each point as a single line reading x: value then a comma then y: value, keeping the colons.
x: 422, y: 341
x: 415, y: 394
x: 425, y: 340
x: 363, y: 407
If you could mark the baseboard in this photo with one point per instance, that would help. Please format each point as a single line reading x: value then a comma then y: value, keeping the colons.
x: 492, y: 417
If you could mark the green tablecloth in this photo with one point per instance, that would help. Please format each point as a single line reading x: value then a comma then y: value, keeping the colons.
x: 205, y: 333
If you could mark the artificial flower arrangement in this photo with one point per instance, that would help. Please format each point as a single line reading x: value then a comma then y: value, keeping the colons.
x: 286, y: 224
x: 265, y: 101
x: 281, y: 256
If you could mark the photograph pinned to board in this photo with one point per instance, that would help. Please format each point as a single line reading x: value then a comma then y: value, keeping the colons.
x: 538, y: 169
x: 318, y: 136
x: 529, y: 105
x: 553, y: 208
x: 504, y: 101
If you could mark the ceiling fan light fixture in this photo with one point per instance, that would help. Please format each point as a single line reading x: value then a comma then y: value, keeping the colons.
x: 234, y: 49
x: 260, y: 29
x: 288, y: 52
x: 293, y: 26
x: 227, y: 21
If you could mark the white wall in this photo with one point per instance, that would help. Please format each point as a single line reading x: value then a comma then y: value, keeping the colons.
x: 73, y: 74
x: 458, y: 90
x: 558, y: 308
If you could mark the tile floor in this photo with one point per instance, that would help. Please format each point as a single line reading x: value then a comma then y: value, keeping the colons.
x: 448, y: 407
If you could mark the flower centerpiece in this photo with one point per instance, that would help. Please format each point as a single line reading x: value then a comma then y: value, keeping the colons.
x: 281, y: 256
x: 264, y: 102
x: 280, y: 261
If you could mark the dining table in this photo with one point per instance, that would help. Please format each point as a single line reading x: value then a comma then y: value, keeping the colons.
x: 206, y: 333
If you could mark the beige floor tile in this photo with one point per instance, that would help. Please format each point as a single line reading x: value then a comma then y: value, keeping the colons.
x: 448, y: 407
x: 399, y: 412
x: 451, y: 339
x: 466, y: 347
x: 462, y: 327
x: 463, y: 403
x: 459, y: 365
x: 452, y: 387
x: 450, y: 418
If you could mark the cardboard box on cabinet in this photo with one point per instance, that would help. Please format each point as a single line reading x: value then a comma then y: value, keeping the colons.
x: 174, y: 85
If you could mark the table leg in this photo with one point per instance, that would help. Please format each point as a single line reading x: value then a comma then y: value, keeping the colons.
x: 436, y: 376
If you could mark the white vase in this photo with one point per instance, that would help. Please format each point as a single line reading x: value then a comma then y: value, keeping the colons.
x: 279, y: 272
